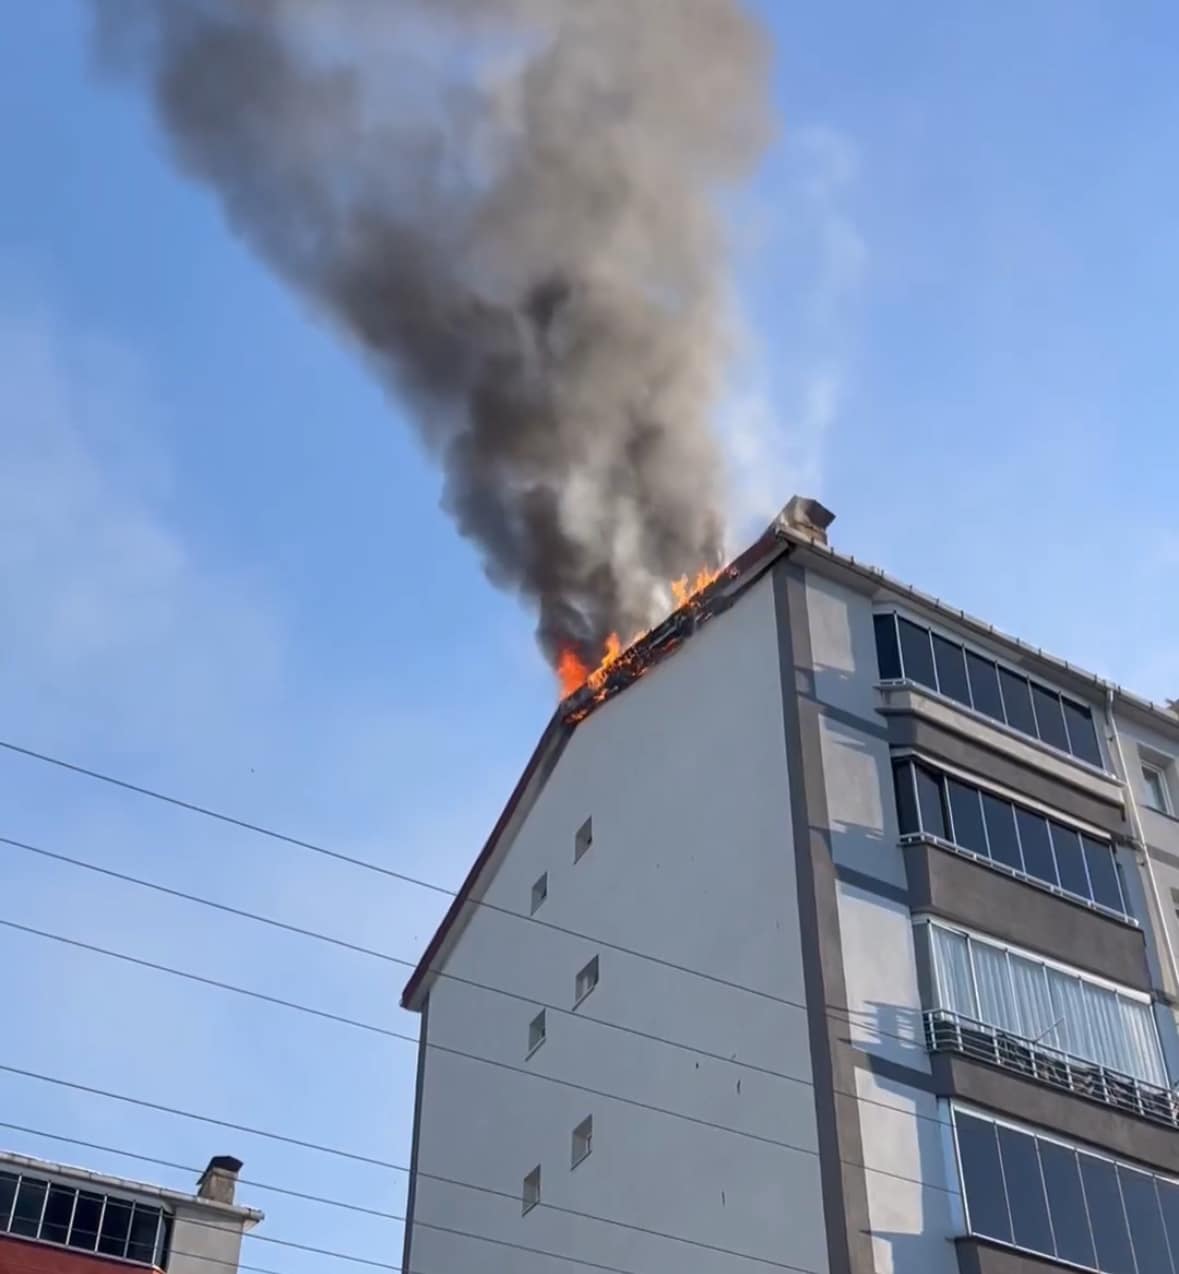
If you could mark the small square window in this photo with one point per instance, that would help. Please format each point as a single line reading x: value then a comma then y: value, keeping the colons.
x: 583, y: 1140
x: 1155, y: 782
x: 587, y: 979
x: 531, y: 1195
x: 536, y: 1032
x: 540, y: 891
x: 583, y: 840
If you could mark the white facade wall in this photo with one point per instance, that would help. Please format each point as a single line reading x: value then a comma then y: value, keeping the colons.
x: 204, y: 1241
x: 912, y: 1207
x: 685, y: 776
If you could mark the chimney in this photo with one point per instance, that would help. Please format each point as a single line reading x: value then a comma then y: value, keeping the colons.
x: 219, y: 1179
x: 808, y: 517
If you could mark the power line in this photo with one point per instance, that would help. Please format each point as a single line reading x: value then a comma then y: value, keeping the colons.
x: 404, y: 878
x: 392, y: 1216
x: 408, y: 1039
x: 356, y: 948
x: 839, y: 1014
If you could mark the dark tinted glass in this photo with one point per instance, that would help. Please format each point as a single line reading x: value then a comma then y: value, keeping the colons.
x: 26, y: 1216
x: 144, y: 1225
x: 1146, y: 1221
x: 966, y: 811
x: 7, y: 1194
x: 1081, y: 735
x: 1037, y: 847
x: 1049, y: 717
x: 910, y: 824
x: 984, y: 685
x: 1103, y: 873
x: 116, y: 1223
x: 1066, y: 1203
x: 951, y: 669
x: 59, y: 1207
x: 1001, y: 831
x: 929, y: 798
x: 1169, y: 1199
x: 1025, y: 1190
x: 1110, y: 1236
x: 978, y: 1152
x: 888, y: 655
x: 1017, y: 701
x: 87, y: 1215
x: 917, y: 654
x: 1070, y: 860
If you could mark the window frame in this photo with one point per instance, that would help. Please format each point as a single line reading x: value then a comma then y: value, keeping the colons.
x: 909, y: 757
x: 541, y: 1036
x: 1078, y: 1149
x: 540, y: 893
x: 530, y: 1191
x: 582, y: 1136
x: 970, y: 648
x: 580, y: 995
x: 1157, y: 773
x: 133, y: 1205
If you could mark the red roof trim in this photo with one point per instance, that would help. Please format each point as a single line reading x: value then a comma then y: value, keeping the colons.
x: 733, y: 581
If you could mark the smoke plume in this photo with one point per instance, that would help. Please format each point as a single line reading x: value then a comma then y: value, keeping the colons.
x: 511, y: 206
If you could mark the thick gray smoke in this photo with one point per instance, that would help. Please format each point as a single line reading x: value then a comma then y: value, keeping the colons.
x: 512, y: 206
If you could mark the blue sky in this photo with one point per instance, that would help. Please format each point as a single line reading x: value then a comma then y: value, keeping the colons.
x: 226, y: 573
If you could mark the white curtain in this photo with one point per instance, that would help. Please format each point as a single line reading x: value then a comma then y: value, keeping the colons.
x: 1068, y: 1001
x: 951, y: 967
x: 1033, y: 1002
x: 996, y: 1002
x: 1062, y: 1010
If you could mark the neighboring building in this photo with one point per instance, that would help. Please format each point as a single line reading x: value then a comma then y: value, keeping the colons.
x: 60, y: 1220
x: 909, y: 853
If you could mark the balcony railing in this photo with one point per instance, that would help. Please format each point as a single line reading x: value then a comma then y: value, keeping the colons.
x: 950, y: 1032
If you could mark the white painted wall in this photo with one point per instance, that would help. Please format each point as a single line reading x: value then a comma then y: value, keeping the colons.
x: 910, y: 1197
x: 204, y: 1242
x: 685, y: 776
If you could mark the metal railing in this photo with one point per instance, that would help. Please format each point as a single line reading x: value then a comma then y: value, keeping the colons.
x: 946, y: 1031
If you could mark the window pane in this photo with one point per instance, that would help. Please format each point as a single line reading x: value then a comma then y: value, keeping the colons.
x: 1001, y: 831
x: 144, y: 1227
x: 910, y: 824
x: 1017, y: 701
x: 1169, y: 1198
x: 1082, y: 736
x: 1037, y: 848
x: 1146, y: 1221
x: 58, y: 1209
x: 888, y: 655
x: 1025, y: 1190
x: 917, y: 654
x: 951, y: 966
x: 1049, y: 717
x: 978, y: 1152
x: 116, y: 1223
x: 1103, y: 873
x: 929, y: 799
x: 1110, y: 1236
x: 1070, y: 860
x: 7, y: 1195
x: 87, y: 1215
x: 984, y: 685
x: 1066, y: 1202
x: 966, y: 812
x: 951, y: 669
x: 26, y: 1216
x: 1153, y: 781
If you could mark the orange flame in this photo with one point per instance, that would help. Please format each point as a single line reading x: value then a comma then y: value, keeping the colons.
x: 572, y: 673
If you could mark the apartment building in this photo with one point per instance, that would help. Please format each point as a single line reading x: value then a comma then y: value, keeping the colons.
x: 838, y: 931
x: 56, y: 1219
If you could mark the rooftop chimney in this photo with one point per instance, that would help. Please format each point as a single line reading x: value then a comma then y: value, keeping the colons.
x: 219, y: 1179
x: 807, y: 517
